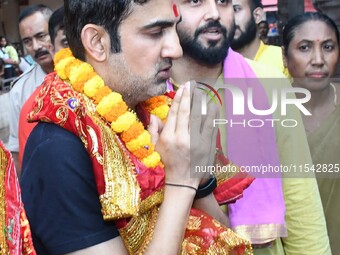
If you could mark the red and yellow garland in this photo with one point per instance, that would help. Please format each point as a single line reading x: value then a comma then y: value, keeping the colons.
x: 111, y: 106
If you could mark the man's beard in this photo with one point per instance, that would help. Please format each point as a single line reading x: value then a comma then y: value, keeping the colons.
x: 246, y: 36
x: 210, y: 55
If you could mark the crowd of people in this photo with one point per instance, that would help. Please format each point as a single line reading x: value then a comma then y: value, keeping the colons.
x: 107, y: 133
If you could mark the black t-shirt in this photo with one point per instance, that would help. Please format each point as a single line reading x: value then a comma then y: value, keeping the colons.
x: 60, y: 194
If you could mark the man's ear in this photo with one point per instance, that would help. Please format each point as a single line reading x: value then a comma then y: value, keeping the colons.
x: 258, y: 15
x: 94, y: 39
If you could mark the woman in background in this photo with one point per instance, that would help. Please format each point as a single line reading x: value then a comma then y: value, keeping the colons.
x: 311, y: 52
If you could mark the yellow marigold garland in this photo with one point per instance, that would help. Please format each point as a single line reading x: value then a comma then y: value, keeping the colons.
x: 101, y: 93
x: 135, y: 130
x: 110, y: 105
x: 65, y: 54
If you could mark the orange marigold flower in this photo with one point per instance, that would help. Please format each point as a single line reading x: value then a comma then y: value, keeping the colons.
x: 123, y: 123
x: 161, y: 111
x: 152, y: 160
x: 79, y: 86
x: 93, y: 85
x: 134, y: 131
x: 144, y: 152
x: 75, y: 62
x: 155, y: 102
x: 117, y: 110
x: 101, y: 93
x: 105, y: 105
x: 139, y: 142
x: 60, y: 67
x: 81, y: 73
x: 61, y: 54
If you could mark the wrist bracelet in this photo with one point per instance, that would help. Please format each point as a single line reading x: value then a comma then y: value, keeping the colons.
x: 180, y: 185
x: 207, y: 188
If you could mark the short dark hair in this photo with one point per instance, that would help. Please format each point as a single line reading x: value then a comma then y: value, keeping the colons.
x: 56, y: 23
x: 106, y: 13
x: 253, y: 4
x: 263, y: 22
x: 4, y: 37
x: 289, y: 29
x: 46, y: 11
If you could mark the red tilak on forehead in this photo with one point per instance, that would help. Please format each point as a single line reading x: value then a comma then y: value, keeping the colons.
x: 174, y: 8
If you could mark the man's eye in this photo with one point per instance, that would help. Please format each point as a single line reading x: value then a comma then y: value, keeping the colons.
x: 65, y: 44
x: 157, y: 33
x: 194, y: 2
x: 237, y: 8
x: 26, y: 42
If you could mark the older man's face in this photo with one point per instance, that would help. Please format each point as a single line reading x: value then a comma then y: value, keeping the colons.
x: 35, y: 38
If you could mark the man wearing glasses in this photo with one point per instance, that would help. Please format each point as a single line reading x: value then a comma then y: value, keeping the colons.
x: 33, y: 29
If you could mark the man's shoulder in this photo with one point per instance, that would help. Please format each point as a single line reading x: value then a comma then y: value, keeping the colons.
x: 272, y: 52
x: 269, y: 76
x: 274, y: 48
x: 24, y: 76
x: 44, y: 135
x: 264, y: 71
x: 45, y: 130
x: 32, y: 74
x: 10, y: 47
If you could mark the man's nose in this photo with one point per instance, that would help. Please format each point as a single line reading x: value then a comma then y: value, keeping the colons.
x: 212, y: 12
x: 172, y: 48
x: 36, y: 44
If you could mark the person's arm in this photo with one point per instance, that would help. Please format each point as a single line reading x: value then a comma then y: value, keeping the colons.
x: 181, y: 141
x: 307, y: 232
x: 10, y: 61
x: 169, y: 229
x: 113, y: 246
x: 209, y: 205
x: 176, y: 150
x: 13, y: 118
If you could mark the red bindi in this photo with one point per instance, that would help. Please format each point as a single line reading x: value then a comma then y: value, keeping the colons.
x: 174, y: 8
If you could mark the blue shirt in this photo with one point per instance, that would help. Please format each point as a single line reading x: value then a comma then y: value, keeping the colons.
x: 60, y: 194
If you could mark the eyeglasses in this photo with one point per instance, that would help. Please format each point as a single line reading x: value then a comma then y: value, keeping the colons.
x: 40, y: 37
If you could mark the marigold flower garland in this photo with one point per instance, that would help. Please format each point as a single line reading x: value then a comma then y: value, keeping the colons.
x: 110, y: 105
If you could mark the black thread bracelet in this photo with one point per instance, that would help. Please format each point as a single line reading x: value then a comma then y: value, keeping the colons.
x: 207, y: 188
x: 180, y: 185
